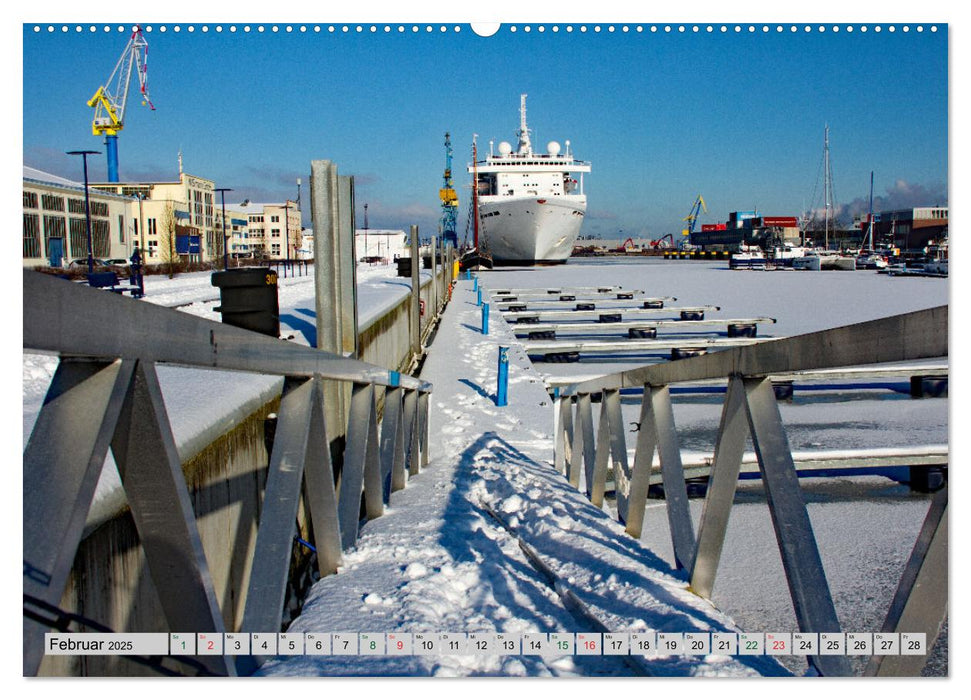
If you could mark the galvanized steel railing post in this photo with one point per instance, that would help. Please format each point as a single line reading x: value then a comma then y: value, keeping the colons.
x: 151, y: 473
x: 562, y: 432
x: 321, y: 494
x: 424, y: 422
x: 640, y: 479
x: 672, y: 474
x: 722, y: 483
x: 362, y: 468
x: 412, y: 440
x: 266, y: 591
x: 62, y: 464
x: 393, y: 475
x: 589, y: 452
x: 808, y: 586
x: 415, y: 296
x: 618, y: 448
x: 920, y: 602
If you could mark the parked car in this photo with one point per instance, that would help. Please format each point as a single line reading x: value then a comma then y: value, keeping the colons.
x: 117, y: 261
x: 83, y: 262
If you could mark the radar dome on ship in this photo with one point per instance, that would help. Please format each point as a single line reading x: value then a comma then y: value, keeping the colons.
x: 505, y: 148
x: 553, y: 148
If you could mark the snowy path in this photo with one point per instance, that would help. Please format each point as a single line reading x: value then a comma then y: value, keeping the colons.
x: 437, y: 561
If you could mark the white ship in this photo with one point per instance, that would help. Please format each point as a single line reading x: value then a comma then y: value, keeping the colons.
x: 530, y: 207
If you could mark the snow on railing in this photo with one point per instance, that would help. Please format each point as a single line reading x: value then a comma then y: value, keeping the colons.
x: 750, y: 409
x: 105, y: 391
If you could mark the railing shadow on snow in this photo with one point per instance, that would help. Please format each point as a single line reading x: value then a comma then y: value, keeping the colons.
x: 515, y: 591
x: 750, y: 409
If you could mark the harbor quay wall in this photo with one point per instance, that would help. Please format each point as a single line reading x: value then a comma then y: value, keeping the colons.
x: 110, y: 582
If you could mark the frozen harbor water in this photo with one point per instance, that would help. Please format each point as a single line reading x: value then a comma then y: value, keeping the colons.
x: 865, y: 526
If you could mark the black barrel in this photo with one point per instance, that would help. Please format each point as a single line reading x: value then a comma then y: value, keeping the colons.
x: 742, y: 330
x: 248, y: 299
x: 654, y: 304
x: 683, y: 353
x: 404, y: 267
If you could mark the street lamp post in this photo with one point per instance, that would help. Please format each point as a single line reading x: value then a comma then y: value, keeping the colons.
x: 87, y: 205
x: 286, y: 223
x: 222, y: 193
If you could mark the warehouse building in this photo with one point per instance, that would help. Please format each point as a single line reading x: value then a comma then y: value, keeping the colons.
x: 55, y: 226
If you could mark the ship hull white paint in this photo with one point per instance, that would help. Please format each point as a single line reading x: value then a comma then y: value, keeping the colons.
x: 524, y: 231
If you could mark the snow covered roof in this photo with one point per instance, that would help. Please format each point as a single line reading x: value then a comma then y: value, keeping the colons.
x: 41, y: 176
x: 44, y: 178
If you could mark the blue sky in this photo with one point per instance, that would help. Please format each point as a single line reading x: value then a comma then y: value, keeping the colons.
x: 663, y: 117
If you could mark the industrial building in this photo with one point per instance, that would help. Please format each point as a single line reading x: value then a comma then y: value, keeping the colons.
x: 178, y: 220
x: 272, y: 231
x: 174, y: 219
x: 906, y: 229
x: 749, y: 228
x: 55, y: 227
x: 911, y: 229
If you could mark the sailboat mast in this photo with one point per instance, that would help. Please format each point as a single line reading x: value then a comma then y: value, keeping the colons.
x: 873, y: 243
x: 826, y: 183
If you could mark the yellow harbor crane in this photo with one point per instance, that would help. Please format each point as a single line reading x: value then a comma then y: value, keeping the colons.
x: 110, y: 100
x: 692, y: 217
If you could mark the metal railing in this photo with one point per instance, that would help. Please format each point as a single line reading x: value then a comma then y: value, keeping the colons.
x: 105, y: 393
x: 751, y: 409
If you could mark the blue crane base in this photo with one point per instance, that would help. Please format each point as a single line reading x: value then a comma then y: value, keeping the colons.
x: 111, y: 146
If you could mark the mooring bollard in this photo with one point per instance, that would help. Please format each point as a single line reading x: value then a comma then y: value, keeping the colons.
x: 485, y: 319
x: 475, y: 284
x: 502, y: 383
x: 478, y: 297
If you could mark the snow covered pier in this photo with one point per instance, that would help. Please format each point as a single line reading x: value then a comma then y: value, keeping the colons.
x: 489, y: 538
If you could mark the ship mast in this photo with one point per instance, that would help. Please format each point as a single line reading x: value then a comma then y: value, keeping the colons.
x: 525, y: 147
x: 475, y: 195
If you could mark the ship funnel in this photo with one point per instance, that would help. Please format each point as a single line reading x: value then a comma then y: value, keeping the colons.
x: 525, y: 147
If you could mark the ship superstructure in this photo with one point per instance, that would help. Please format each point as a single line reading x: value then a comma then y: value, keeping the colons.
x: 530, y: 205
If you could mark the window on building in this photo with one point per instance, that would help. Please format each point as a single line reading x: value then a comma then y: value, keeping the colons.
x: 152, y: 227
x: 53, y: 228
x: 275, y: 232
x: 275, y: 248
x: 274, y: 219
x: 78, y: 244
x: 52, y: 202
x: 99, y: 209
x: 101, y: 238
x: 121, y: 228
x: 31, y: 233
x: 30, y: 200
x: 75, y: 206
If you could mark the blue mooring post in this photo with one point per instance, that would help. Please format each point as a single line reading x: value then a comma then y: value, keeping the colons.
x: 478, y: 297
x: 485, y: 319
x: 502, y: 383
x: 475, y: 284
